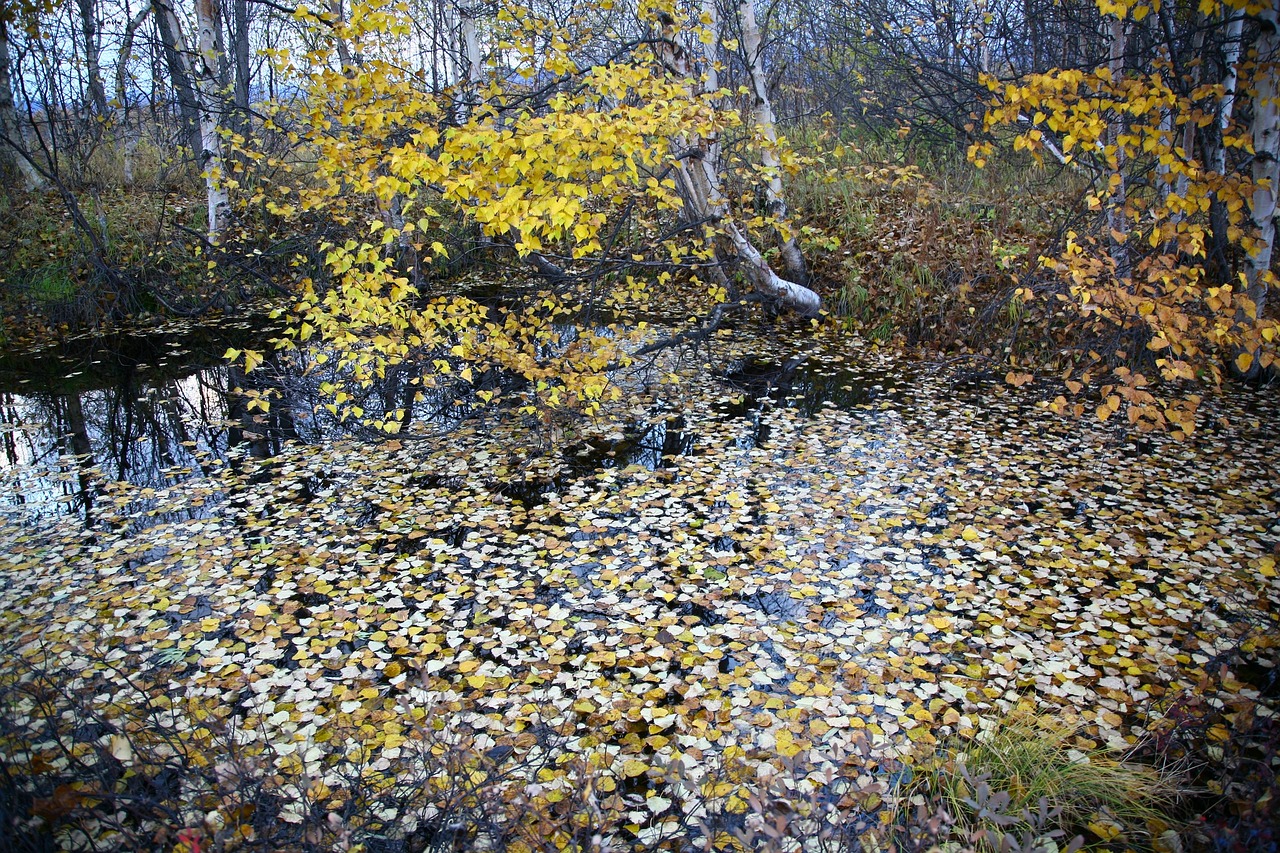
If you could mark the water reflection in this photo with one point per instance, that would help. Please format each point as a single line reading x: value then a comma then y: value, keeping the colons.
x: 152, y: 409
x: 61, y: 446
x: 162, y: 408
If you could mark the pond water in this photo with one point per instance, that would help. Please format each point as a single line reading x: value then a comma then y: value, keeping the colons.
x: 149, y: 408
x: 159, y: 407
x: 808, y: 548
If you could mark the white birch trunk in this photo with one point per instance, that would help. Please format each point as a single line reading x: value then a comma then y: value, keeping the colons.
x: 201, y: 71
x: 205, y: 77
x: 13, y: 148
x: 127, y: 128
x: 1118, y: 219
x: 470, y: 76
x: 1164, y: 186
x: 1183, y: 183
x: 470, y: 71
x: 1266, y: 160
x: 446, y: 61
x: 698, y: 180
x: 1230, y: 81
x: 766, y: 124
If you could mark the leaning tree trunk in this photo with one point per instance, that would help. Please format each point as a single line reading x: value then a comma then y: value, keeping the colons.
x: 13, y: 150
x: 776, y: 204
x: 698, y: 181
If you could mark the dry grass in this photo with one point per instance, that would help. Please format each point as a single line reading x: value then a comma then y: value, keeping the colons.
x: 1030, y: 771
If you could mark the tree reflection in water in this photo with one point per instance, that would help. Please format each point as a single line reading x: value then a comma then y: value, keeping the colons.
x: 152, y: 410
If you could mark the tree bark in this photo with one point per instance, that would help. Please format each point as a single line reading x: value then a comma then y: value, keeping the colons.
x: 1216, y: 153
x: 467, y: 64
x: 13, y: 146
x: 128, y: 130
x: 699, y: 183
x: 206, y: 79
x: 776, y: 204
x: 1118, y: 219
x: 344, y: 50
x: 202, y: 73
x: 92, y: 60
x: 1266, y: 161
x: 175, y: 57
x: 240, y: 22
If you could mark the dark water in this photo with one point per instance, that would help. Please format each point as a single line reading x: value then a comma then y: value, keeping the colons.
x: 160, y: 407
x: 148, y: 408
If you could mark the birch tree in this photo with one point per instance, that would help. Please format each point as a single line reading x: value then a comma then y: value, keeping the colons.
x: 195, y: 78
x: 128, y: 127
x: 13, y: 149
x: 594, y: 159
x: 173, y: 45
x: 1265, y: 133
x: 1118, y: 223
x: 1152, y: 283
x: 89, y: 30
x: 766, y: 126
x: 700, y: 171
x: 241, y: 51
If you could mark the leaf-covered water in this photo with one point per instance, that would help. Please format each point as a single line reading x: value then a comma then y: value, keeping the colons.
x: 834, y: 556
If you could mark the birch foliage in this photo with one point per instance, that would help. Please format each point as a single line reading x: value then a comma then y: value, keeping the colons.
x: 568, y: 159
x: 1124, y: 132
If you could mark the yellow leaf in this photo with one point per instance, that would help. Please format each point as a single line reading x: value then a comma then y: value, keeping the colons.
x: 1244, y: 361
x: 476, y: 681
x: 632, y: 767
x: 1267, y: 567
x: 1105, y: 829
x: 261, y: 609
x: 121, y: 748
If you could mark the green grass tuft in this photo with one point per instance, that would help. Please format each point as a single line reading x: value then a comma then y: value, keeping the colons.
x: 51, y: 284
x: 1035, y: 760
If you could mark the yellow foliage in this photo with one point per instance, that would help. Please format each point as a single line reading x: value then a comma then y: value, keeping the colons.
x: 1142, y: 266
x: 392, y: 158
